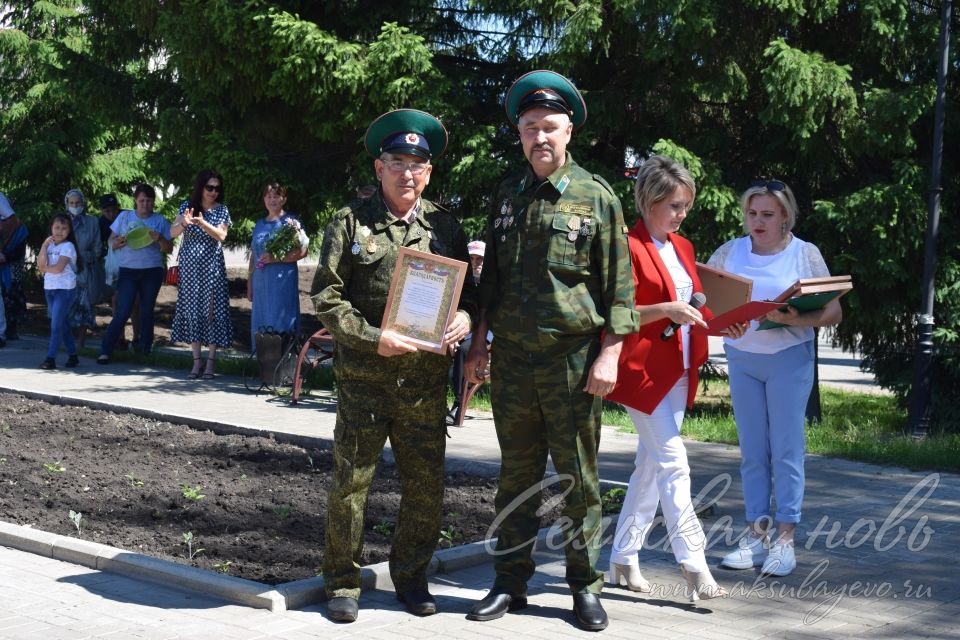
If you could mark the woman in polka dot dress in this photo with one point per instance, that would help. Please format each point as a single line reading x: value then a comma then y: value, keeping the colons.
x: 203, y: 302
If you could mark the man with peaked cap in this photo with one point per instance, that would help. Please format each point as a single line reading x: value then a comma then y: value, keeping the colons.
x: 557, y: 291
x: 386, y: 387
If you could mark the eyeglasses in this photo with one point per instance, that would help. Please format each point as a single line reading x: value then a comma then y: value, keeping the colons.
x: 769, y: 185
x: 212, y: 187
x: 399, y: 166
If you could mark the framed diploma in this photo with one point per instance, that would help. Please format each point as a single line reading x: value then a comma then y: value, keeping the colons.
x: 423, y: 297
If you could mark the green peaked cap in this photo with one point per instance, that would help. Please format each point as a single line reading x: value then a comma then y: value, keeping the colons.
x: 551, y: 81
x: 392, y: 132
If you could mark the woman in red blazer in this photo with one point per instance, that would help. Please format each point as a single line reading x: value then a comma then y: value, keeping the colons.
x: 657, y: 380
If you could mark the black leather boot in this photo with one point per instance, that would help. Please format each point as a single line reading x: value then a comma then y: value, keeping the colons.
x: 343, y: 609
x: 495, y: 604
x: 418, y: 601
x: 589, y: 612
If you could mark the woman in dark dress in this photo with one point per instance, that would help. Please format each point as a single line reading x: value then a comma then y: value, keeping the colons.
x: 203, y: 301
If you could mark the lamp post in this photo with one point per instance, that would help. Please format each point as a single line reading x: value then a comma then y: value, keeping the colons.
x: 918, y: 418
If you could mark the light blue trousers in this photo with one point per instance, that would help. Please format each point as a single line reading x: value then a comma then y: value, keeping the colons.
x: 769, y: 393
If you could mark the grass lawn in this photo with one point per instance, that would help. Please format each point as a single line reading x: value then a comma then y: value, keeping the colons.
x: 857, y: 426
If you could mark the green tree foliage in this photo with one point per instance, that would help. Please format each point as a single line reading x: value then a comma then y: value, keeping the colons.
x: 834, y: 98
x: 56, y: 133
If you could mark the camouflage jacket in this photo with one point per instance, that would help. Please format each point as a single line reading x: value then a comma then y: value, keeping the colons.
x: 557, y: 265
x: 350, y: 288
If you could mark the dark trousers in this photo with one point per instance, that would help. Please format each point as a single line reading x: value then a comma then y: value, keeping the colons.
x: 131, y: 283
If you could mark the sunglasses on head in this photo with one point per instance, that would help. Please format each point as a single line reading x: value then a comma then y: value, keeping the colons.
x: 769, y: 185
x: 213, y: 187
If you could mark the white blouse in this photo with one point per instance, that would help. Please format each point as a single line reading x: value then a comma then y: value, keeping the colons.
x: 771, y: 275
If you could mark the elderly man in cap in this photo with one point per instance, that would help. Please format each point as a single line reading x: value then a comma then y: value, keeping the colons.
x: 556, y: 278
x: 386, y: 387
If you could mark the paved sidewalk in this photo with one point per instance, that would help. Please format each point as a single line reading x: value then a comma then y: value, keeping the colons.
x: 867, y: 567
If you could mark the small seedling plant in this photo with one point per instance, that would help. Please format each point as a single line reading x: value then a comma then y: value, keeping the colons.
x: 450, y: 535
x: 223, y: 567
x: 75, y: 517
x: 612, y: 501
x: 191, y: 552
x: 384, y: 528
x: 192, y: 493
x: 54, y: 467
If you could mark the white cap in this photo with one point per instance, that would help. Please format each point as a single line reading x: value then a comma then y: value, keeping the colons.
x: 477, y: 248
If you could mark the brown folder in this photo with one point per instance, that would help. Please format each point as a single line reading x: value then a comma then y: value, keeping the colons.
x: 724, y: 290
x: 808, y: 286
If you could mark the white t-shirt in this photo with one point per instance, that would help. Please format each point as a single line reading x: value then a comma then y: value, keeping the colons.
x: 771, y: 275
x: 66, y: 279
x: 683, y: 284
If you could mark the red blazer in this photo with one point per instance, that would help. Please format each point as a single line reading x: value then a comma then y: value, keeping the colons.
x: 649, y: 366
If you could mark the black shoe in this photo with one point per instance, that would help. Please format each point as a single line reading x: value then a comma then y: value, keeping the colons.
x: 343, y: 609
x: 495, y: 604
x: 589, y: 612
x: 103, y: 359
x: 418, y: 601
x: 48, y: 363
x: 451, y: 418
x: 72, y: 361
x: 3, y: 343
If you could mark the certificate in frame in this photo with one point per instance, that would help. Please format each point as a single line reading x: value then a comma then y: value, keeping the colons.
x: 424, y: 292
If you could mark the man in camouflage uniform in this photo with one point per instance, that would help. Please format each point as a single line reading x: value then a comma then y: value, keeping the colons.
x: 386, y: 387
x: 556, y: 274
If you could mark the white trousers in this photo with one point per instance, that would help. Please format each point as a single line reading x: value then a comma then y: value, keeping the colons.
x: 661, y: 476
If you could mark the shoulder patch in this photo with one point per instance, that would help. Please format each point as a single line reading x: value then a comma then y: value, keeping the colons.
x: 606, y: 184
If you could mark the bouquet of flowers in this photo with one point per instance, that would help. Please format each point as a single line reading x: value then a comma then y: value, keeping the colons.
x: 280, y: 243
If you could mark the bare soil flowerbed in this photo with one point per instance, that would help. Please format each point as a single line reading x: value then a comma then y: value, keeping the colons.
x: 138, y: 482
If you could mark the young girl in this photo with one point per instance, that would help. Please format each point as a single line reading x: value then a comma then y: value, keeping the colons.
x: 59, y: 264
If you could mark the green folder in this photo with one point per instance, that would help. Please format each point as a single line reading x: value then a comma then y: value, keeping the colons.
x: 809, y: 302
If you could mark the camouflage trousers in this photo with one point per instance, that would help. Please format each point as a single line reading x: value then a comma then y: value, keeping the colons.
x: 410, y: 413
x: 539, y: 406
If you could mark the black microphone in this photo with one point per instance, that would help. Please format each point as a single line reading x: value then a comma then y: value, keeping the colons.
x: 696, y: 301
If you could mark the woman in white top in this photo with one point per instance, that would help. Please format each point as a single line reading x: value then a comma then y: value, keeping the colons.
x: 771, y: 373
x: 59, y: 263
x: 140, y: 238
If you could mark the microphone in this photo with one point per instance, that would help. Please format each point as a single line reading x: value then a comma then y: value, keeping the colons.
x: 697, y: 301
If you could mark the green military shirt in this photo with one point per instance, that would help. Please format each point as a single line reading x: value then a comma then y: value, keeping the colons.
x: 557, y: 263
x: 350, y: 288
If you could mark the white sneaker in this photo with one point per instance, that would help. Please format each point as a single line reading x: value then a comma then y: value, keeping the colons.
x: 750, y: 553
x: 781, y: 560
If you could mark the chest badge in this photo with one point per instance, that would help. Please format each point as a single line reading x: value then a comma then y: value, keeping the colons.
x: 372, y: 246
x: 355, y: 248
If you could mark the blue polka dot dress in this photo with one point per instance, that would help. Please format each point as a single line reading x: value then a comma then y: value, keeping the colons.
x: 203, y: 301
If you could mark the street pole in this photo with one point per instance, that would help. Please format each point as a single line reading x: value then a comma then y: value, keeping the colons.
x: 918, y: 418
